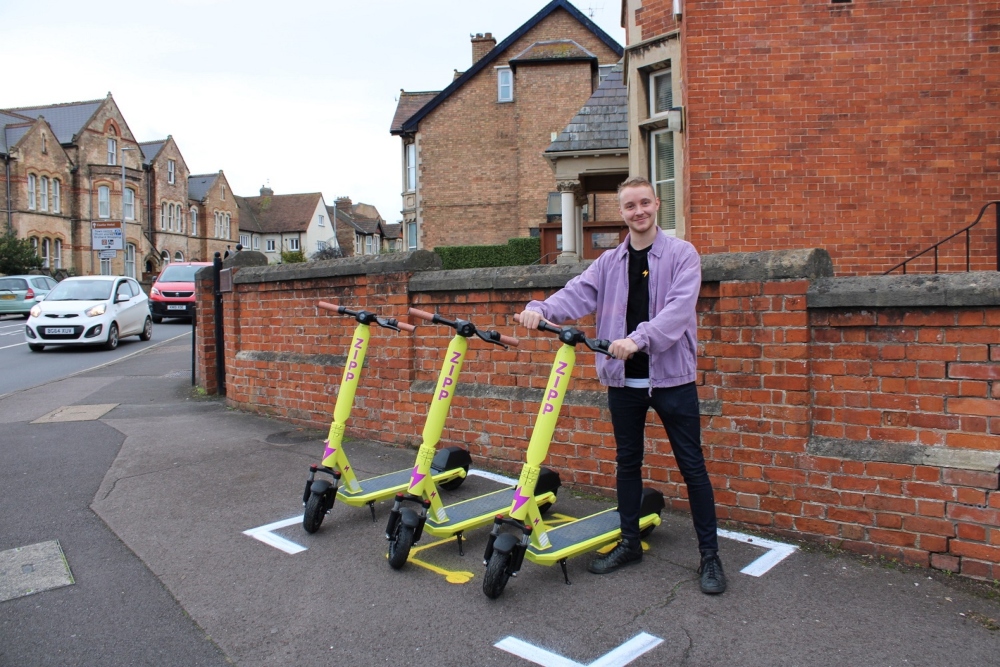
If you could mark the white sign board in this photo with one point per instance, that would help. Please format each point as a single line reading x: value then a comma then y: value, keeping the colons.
x: 107, y: 235
x: 107, y: 254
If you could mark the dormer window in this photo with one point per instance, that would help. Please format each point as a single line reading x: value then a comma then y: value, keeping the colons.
x: 171, y: 169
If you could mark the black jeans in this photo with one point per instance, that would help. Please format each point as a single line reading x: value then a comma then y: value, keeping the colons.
x: 677, y: 408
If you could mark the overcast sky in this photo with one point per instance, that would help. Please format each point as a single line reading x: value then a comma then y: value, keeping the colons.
x: 298, y: 94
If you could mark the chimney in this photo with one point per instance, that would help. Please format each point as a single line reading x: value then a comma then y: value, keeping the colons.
x: 266, y: 191
x: 343, y: 204
x: 481, y: 45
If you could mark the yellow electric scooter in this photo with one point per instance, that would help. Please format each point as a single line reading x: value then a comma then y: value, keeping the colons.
x: 505, y: 551
x: 406, y: 524
x: 454, y: 520
x: 447, y: 467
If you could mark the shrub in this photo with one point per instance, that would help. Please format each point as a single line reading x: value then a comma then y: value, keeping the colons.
x: 17, y: 255
x: 516, y: 252
x: 292, y: 257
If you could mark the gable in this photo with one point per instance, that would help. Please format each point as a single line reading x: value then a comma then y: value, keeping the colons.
x: 495, y: 55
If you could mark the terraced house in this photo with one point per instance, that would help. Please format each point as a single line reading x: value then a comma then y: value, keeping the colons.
x: 71, y: 168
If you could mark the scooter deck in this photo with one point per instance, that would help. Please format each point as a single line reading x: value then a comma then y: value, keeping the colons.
x: 477, y: 511
x: 586, y: 534
x: 386, y: 486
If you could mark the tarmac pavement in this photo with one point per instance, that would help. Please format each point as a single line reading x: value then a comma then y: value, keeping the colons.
x: 151, y: 502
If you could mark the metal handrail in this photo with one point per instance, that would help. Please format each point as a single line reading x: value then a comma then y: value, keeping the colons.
x: 968, y: 238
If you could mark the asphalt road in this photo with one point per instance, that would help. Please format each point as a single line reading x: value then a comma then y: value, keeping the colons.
x: 20, y: 368
x: 181, y: 522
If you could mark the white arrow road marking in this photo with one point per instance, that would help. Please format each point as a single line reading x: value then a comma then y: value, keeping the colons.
x: 265, y: 535
x: 779, y: 551
x: 622, y: 655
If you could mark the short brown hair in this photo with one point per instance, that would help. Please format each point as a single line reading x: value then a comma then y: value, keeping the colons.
x: 636, y: 182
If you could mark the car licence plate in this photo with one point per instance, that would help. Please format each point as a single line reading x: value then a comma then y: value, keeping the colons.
x: 56, y: 331
x: 176, y: 307
x: 10, y: 297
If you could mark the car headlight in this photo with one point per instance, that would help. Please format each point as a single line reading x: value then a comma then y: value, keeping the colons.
x: 155, y: 292
x: 94, y: 311
x: 36, y: 310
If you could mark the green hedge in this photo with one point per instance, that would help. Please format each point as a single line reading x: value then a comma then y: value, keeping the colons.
x: 517, y: 252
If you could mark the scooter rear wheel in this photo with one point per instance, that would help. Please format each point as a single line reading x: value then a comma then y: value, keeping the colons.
x: 399, y: 546
x: 497, y: 575
x: 453, y: 484
x: 312, y: 518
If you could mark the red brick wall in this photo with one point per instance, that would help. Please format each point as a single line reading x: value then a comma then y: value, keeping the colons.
x: 805, y: 410
x: 869, y: 129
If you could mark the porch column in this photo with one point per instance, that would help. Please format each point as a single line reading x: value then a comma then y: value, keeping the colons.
x: 570, y: 211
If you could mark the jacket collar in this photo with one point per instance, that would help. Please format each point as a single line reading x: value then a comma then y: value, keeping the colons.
x: 659, y: 245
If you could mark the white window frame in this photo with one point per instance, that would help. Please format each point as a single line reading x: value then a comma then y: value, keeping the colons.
x: 171, y: 169
x: 256, y: 243
x: 229, y: 229
x: 193, y: 216
x: 129, y: 204
x: 505, y: 79
x: 411, y: 235
x: 43, y: 194
x: 56, y: 196
x: 46, y: 253
x: 103, y: 201
x: 667, y: 215
x: 178, y: 256
x: 112, y: 151
x: 105, y: 267
x: 245, y: 240
x: 57, y: 254
x: 32, y: 188
x: 656, y: 80
x: 368, y: 244
x: 130, y: 260
x: 270, y: 247
x: 163, y: 215
x: 293, y: 244
x: 170, y: 217
x: 321, y: 220
x: 411, y: 167
x: 164, y: 257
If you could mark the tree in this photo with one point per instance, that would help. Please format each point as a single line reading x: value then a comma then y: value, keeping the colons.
x: 292, y: 256
x: 17, y: 255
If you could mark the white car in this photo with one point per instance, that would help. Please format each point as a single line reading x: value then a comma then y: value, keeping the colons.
x: 89, y: 310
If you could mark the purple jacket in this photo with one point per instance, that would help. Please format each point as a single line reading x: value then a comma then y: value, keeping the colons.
x: 670, y: 337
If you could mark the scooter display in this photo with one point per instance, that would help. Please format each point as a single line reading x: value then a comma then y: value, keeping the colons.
x: 453, y: 520
x: 447, y: 467
x: 505, y: 550
x: 406, y: 524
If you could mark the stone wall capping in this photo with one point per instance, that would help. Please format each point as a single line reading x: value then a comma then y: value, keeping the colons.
x: 501, y: 278
x: 979, y: 288
x: 811, y: 263
x: 401, y: 262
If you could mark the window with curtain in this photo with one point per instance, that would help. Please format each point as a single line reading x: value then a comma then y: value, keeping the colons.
x: 103, y: 201
x: 662, y: 171
x: 32, y: 183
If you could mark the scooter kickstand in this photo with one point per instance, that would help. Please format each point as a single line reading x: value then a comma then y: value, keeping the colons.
x: 371, y: 506
x: 562, y: 564
x: 458, y: 536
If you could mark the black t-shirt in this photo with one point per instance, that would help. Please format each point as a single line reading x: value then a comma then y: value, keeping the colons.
x: 637, y: 310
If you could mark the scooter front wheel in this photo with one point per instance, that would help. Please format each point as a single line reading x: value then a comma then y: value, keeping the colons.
x: 399, y: 546
x: 497, y: 575
x: 315, y: 510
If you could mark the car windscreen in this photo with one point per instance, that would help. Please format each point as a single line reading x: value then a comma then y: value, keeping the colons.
x: 179, y: 274
x: 81, y: 290
x: 13, y: 284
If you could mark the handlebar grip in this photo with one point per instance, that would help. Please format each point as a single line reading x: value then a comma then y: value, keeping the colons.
x: 507, y: 340
x: 406, y: 326
x: 325, y: 305
x: 422, y: 314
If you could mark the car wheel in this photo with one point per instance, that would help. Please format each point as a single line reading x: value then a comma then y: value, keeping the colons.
x: 157, y: 319
x: 112, y: 337
x: 35, y: 347
x: 147, y: 330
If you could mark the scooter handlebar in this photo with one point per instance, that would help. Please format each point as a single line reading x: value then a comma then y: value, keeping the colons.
x: 422, y: 314
x: 365, y: 317
x: 508, y: 340
x: 332, y: 307
x: 405, y: 326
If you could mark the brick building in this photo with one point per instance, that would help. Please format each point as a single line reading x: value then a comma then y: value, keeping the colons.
x: 67, y: 167
x: 473, y: 165
x: 273, y: 224
x: 362, y: 230
x: 869, y: 129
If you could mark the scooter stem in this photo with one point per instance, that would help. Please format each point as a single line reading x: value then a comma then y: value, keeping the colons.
x: 333, y: 456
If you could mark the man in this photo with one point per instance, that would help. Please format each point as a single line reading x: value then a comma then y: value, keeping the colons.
x: 644, y: 293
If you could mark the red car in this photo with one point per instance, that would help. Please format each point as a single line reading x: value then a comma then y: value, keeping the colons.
x: 173, y: 292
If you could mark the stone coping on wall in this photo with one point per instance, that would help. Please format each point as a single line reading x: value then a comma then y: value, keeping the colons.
x: 978, y: 288
x: 397, y: 262
x: 900, y: 452
x: 749, y: 266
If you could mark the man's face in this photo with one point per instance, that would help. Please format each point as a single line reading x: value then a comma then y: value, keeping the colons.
x: 638, y: 206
